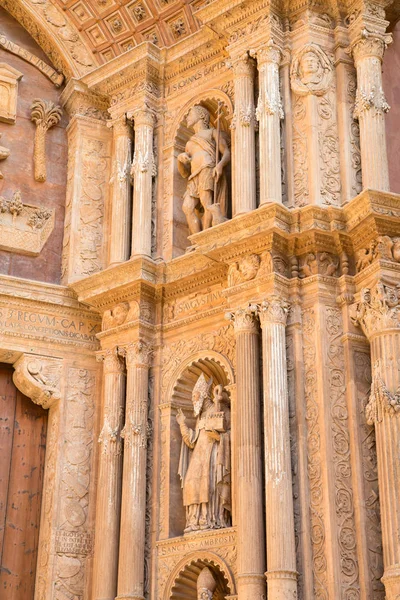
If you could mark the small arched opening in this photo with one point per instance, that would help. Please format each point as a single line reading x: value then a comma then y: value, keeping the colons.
x: 184, y: 578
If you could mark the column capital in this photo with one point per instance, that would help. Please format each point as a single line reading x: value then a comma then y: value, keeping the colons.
x: 143, y: 115
x: 273, y: 310
x: 369, y: 47
x: 111, y: 361
x: 378, y: 310
x: 381, y: 401
x: 244, y: 319
x: 242, y: 65
x: 120, y: 125
x: 267, y: 53
x: 137, y: 353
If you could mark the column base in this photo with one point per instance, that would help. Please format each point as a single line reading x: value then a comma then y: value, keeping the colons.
x: 251, y: 586
x: 282, y: 585
x: 129, y: 597
x: 391, y: 581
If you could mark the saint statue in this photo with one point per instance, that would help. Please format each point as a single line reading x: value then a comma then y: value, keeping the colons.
x: 205, y: 202
x: 206, y: 585
x: 205, y: 463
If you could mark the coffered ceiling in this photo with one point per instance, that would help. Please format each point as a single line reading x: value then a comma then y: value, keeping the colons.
x: 111, y: 27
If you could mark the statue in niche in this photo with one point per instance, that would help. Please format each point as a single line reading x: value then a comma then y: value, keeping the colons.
x: 205, y: 202
x: 206, y: 585
x: 311, y: 71
x: 205, y: 463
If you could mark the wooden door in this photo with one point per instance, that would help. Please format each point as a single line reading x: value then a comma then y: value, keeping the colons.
x: 22, y: 452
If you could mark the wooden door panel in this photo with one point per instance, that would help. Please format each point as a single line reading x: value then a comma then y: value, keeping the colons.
x: 8, y: 394
x: 23, y: 501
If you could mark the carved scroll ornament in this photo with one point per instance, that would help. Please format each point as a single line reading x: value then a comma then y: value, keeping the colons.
x: 38, y: 378
x: 45, y: 114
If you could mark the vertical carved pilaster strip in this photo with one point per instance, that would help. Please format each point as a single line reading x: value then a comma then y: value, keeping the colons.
x: 44, y: 114
x: 120, y: 213
x: 142, y: 171
x: 133, y: 505
x: 378, y: 315
x: 269, y: 113
x: 108, y: 506
x: 370, y: 108
x: 281, y: 553
x: 250, y: 522
x: 243, y: 126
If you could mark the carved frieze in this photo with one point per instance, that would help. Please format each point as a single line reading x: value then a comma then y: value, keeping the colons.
x: 9, y: 78
x: 24, y: 228
x: 322, y: 263
x: 254, y: 266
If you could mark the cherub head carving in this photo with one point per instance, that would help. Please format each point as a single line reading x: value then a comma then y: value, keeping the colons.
x: 311, y: 71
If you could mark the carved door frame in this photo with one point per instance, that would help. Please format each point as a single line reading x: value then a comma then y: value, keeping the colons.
x: 64, y: 550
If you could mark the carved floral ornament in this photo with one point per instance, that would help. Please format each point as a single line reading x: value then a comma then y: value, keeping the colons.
x: 311, y: 71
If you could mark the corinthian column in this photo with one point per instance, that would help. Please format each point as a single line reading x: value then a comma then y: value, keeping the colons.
x: 142, y: 171
x: 370, y: 108
x: 281, y: 551
x: 109, y: 481
x: 121, y: 191
x: 269, y: 112
x: 133, y: 508
x: 378, y: 315
x: 249, y: 513
x: 243, y: 122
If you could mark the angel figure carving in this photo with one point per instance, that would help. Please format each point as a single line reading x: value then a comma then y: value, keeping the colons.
x: 205, y: 463
x: 205, y: 202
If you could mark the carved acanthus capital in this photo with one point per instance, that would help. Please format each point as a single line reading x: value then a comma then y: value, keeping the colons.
x: 369, y: 46
x: 112, y: 363
x: 244, y: 319
x: 378, y: 310
x: 121, y: 126
x: 266, y: 54
x: 138, y: 353
x: 381, y: 402
x: 143, y: 116
x: 242, y: 65
x: 38, y: 377
x: 273, y: 310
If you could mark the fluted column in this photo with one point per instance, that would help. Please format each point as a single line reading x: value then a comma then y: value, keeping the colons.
x: 269, y: 112
x: 281, y: 552
x: 243, y: 125
x: 250, y: 522
x: 120, y: 213
x: 133, y: 508
x: 378, y: 315
x: 370, y: 109
x: 109, y: 480
x: 142, y: 171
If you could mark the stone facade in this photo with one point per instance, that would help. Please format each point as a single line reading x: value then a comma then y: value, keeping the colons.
x: 200, y: 261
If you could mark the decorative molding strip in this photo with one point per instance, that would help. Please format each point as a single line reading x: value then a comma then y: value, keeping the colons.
x: 47, y: 70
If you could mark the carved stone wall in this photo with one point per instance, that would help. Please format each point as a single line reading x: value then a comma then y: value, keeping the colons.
x: 18, y: 168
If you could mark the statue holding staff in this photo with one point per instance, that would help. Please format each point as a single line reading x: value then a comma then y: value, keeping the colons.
x: 205, y: 202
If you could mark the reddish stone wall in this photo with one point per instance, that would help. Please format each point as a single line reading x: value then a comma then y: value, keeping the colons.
x: 18, y: 167
x: 391, y: 85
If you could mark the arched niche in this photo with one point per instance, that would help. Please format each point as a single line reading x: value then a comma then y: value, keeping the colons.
x: 179, y: 396
x: 181, y: 134
x: 182, y: 582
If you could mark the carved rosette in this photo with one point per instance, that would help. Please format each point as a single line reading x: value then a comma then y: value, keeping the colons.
x: 273, y: 310
x: 244, y: 319
x: 38, y: 378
